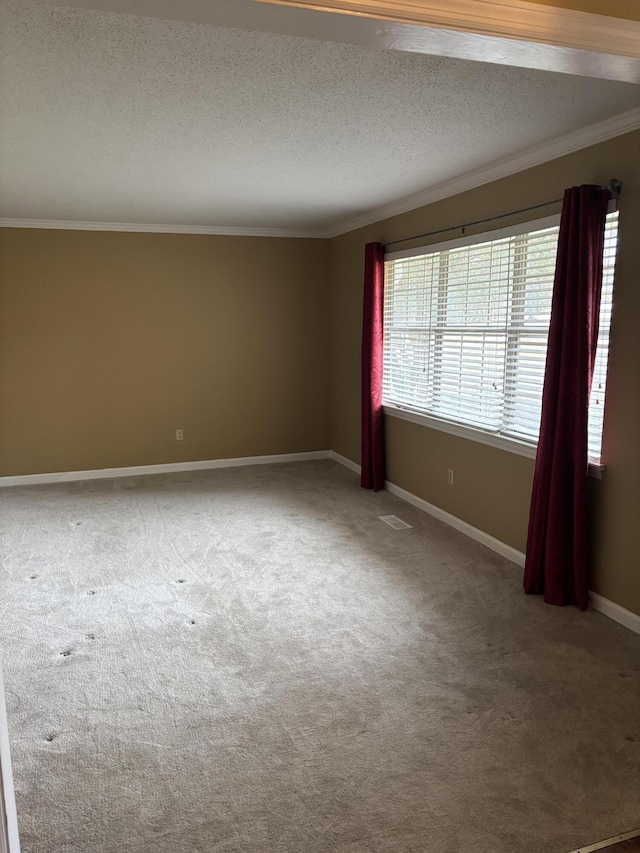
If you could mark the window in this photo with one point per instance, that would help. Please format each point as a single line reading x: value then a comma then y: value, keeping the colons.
x: 466, y: 326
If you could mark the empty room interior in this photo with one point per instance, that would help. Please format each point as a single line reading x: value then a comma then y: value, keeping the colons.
x: 319, y: 426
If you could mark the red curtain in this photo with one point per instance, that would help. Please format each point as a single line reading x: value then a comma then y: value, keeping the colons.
x: 372, y: 476
x: 556, y: 563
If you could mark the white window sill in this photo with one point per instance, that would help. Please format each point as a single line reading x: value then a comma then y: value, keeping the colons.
x: 511, y: 445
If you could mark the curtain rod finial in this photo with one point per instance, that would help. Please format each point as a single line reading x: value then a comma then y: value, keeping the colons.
x: 615, y: 187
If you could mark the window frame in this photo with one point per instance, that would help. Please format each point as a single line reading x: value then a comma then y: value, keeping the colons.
x: 499, y: 441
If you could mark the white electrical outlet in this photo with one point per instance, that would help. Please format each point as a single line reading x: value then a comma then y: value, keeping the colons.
x: 450, y: 476
x: 179, y: 435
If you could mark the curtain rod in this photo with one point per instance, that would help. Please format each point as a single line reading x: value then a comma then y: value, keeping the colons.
x: 614, y: 186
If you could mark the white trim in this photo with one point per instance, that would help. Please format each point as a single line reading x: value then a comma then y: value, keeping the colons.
x: 9, y: 841
x: 478, y: 238
x: 513, y: 19
x: 145, y: 228
x: 615, y: 611
x: 469, y: 530
x: 597, y: 602
x: 352, y: 466
x: 534, y: 156
x: 164, y: 468
x: 502, y: 442
x: 609, y: 842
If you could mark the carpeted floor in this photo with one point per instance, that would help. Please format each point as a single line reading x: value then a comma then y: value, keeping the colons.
x: 249, y: 660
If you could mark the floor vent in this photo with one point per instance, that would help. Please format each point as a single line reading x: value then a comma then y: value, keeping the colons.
x: 394, y: 521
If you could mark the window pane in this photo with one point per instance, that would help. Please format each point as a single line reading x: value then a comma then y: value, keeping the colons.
x: 408, y: 368
x: 466, y: 333
x: 468, y: 386
x: 478, y: 285
x: 598, y: 388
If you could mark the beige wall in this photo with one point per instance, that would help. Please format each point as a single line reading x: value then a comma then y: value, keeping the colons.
x: 492, y: 487
x: 615, y: 8
x: 109, y: 342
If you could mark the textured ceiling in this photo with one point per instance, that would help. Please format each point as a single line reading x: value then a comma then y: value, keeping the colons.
x: 118, y: 118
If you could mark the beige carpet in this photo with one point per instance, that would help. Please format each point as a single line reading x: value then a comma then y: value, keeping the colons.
x: 249, y: 660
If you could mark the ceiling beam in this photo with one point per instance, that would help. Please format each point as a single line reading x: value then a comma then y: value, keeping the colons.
x: 617, y: 8
x: 339, y: 25
x: 510, y: 19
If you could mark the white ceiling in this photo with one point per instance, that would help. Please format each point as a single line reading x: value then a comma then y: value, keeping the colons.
x: 115, y: 118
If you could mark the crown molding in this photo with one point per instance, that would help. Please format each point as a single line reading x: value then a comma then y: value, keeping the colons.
x: 534, y: 156
x: 513, y: 19
x: 145, y: 228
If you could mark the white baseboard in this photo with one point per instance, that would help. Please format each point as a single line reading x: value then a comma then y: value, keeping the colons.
x: 338, y: 457
x: 452, y: 520
x: 469, y: 530
x: 597, y: 602
x: 164, y: 468
x: 615, y: 611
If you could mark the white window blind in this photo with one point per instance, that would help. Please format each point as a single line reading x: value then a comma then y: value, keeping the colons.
x: 466, y: 328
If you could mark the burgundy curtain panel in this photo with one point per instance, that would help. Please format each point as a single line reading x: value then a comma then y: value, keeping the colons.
x: 372, y: 456
x: 556, y: 562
